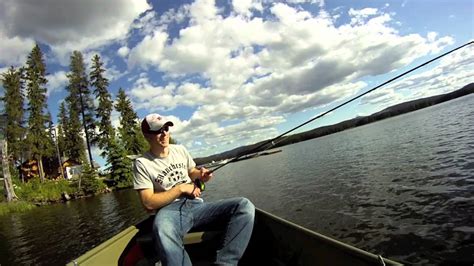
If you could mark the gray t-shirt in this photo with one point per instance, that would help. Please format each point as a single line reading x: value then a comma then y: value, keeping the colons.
x: 162, y: 174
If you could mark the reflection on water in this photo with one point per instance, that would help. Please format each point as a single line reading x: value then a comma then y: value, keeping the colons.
x: 53, y: 235
x: 402, y: 187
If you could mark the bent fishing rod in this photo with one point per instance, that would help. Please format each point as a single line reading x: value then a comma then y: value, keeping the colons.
x: 272, y: 141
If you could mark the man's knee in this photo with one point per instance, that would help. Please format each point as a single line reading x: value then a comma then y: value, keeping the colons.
x: 166, y: 232
x: 246, y: 207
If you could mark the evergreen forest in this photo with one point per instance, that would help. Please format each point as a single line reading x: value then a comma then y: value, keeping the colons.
x: 36, y: 151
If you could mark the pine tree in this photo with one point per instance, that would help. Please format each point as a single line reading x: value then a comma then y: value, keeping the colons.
x: 62, y: 127
x: 14, y: 110
x: 105, y: 106
x: 37, y: 137
x: 120, y: 166
x: 89, y: 182
x: 79, y: 103
x: 55, y: 156
x: 51, y: 136
x: 73, y: 134
x: 88, y: 117
x: 130, y: 132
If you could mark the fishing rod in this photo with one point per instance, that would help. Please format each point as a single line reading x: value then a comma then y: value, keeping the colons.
x: 272, y: 141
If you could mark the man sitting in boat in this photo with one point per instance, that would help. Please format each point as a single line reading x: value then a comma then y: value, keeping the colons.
x: 165, y: 179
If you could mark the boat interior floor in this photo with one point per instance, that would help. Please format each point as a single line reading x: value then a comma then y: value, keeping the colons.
x: 274, y: 241
x: 201, y: 248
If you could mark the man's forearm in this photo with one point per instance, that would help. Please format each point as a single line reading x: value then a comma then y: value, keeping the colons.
x: 158, y: 200
x: 194, y: 173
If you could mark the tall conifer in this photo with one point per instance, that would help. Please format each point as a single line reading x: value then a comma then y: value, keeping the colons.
x: 14, y: 110
x: 120, y: 166
x: 130, y: 133
x: 37, y: 136
x: 105, y: 105
x: 80, y: 105
x: 62, y: 127
x: 51, y: 136
x: 73, y: 129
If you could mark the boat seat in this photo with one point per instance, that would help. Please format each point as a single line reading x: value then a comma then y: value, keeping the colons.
x: 189, y: 238
x: 200, y: 245
x: 191, y: 241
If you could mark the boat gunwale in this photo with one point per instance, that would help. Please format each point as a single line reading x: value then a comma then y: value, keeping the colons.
x: 331, y: 241
x: 129, y: 232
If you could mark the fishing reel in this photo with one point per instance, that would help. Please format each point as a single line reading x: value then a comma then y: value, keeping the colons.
x: 198, y: 183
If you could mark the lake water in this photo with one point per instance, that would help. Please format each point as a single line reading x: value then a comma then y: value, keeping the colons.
x: 402, y: 187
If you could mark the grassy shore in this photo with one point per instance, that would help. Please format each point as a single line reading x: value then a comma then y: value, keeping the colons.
x: 35, y: 193
x: 16, y: 206
x: 39, y: 192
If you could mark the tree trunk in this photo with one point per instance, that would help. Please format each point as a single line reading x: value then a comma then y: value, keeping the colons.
x: 39, y: 161
x: 7, y: 181
x: 80, y: 179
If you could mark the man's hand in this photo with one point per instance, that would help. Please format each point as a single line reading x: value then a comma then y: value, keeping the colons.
x: 200, y: 173
x: 190, y: 190
x: 206, y: 174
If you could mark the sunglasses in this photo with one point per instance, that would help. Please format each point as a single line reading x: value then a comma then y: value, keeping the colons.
x: 162, y: 130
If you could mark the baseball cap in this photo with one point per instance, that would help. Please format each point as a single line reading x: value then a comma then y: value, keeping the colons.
x: 152, y: 124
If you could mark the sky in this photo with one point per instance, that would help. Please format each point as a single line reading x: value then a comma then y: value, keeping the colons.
x: 231, y: 73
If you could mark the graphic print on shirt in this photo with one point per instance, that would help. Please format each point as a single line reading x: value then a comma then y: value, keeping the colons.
x: 172, y: 175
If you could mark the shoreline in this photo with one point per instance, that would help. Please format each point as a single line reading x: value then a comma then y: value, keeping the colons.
x: 21, y: 205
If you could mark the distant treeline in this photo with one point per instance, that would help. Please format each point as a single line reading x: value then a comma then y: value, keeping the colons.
x: 355, y: 122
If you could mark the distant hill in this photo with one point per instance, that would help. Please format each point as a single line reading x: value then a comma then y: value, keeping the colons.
x: 355, y: 122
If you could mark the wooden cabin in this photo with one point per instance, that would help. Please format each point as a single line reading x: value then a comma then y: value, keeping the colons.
x: 29, y: 169
x: 71, y: 168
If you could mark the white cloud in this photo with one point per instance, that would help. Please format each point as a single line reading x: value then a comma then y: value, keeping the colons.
x: 240, y: 71
x: 157, y: 98
x: 244, y: 7
x: 382, y: 96
x: 123, y: 51
x: 359, y: 17
x: 174, y: 16
x: 14, y: 50
x: 451, y: 73
x: 113, y: 73
x: 366, y: 12
x: 68, y: 25
x: 203, y: 11
x: 256, y: 67
x: 146, y: 24
x: 152, y: 97
x: 244, y: 132
x: 149, y: 50
x: 56, y: 82
x: 115, y: 117
x: 319, y: 2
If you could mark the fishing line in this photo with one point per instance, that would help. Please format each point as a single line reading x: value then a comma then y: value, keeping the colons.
x: 272, y: 141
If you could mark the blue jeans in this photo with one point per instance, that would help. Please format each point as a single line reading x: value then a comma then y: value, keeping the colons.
x: 173, y: 221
